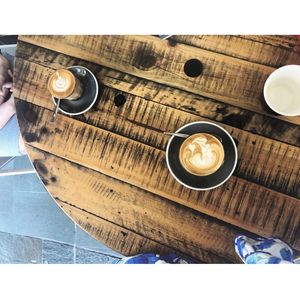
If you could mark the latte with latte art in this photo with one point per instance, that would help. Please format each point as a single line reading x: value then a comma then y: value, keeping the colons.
x: 201, y: 154
x: 63, y: 84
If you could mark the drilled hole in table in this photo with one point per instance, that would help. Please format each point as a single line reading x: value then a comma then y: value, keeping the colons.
x: 193, y: 67
x: 119, y: 100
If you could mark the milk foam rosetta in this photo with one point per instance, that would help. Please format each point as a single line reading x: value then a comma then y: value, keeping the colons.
x: 61, y: 84
x: 64, y: 85
x: 201, y: 154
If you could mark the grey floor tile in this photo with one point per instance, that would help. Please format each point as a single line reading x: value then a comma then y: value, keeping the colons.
x: 6, y: 184
x: 57, y: 253
x: 84, y: 256
x: 22, y: 183
x: 84, y: 240
x: 21, y: 162
x: 19, y: 249
x: 6, y: 211
x: 25, y: 182
x: 36, y: 215
x: 6, y: 163
x: 6, y: 202
x: 28, y: 183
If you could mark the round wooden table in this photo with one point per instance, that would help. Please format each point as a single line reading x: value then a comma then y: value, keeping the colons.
x: 106, y: 168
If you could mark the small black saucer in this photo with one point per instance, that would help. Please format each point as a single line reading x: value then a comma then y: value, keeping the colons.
x: 202, y: 182
x: 87, y: 99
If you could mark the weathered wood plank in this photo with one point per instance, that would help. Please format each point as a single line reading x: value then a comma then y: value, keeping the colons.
x: 122, y: 240
x: 116, y: 237
x: 272, y: 51
x: 135, y: 214
x: 278, y: 128
x: 224, y: 78
x: 144, y: 121
x: 274, y: 128
x: 285, y: 41
x: 239, y: 202
x: 122, y: 154
x: 56, y: 60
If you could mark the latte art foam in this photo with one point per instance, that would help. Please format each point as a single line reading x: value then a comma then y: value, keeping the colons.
x: 201, y: 154
x: 64, y: 85
x: 61, y: 84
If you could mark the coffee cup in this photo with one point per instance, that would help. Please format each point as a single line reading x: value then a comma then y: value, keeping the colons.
x: 205, y: 159
x: 282, y: 90
x: 201, y: 154
x: 63, y: 84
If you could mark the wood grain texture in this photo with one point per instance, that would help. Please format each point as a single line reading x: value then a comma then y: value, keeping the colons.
x: 123, y: 240
x: 99, y: 198
x: 239, y: 202
x: 271, y: 127
x: 267, y: 50
x: 145, y: 121
x: 281, y: 41
x: 224, y: 78
x: 115, y: 155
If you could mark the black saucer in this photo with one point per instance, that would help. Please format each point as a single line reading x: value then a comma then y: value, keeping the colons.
x: 87, y: 99
x: 202, y: 182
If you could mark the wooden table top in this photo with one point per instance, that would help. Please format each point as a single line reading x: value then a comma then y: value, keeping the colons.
x: 106, y: 168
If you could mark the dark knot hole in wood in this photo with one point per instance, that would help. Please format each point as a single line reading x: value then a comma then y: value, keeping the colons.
x: 119, y: 100
x: 193, y: 67
x: 145, y: 59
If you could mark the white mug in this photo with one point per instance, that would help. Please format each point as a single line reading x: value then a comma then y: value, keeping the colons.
x: 282, y: 90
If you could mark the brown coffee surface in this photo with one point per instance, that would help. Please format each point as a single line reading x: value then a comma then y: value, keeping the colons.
x: 201, y: 154
x: 61, y: 84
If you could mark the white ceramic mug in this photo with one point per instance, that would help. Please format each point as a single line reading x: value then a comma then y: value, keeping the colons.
x: 282, y: 90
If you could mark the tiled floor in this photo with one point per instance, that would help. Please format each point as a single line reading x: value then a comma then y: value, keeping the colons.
x: 33, y: 229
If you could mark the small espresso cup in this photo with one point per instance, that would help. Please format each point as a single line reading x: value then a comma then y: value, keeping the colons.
x: 63, y: 84
x: 282, y: 90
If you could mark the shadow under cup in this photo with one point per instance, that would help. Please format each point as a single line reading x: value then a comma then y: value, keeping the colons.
x: 202, y: 182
